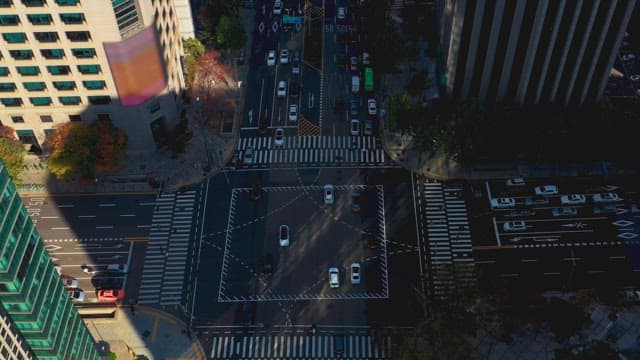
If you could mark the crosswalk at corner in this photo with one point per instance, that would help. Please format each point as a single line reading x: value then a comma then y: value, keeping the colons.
x: 298, y: 347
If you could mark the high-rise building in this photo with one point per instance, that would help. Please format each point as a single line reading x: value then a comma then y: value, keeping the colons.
x: 531, y: 51
x: 80, y: 60
x: 37, y: 317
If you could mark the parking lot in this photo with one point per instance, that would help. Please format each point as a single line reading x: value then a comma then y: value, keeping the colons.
x: 570, y: 234
x: 320, y: 236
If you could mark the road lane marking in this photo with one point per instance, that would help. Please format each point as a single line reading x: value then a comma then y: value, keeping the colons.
x: 104, y: 227
x: 128, y: 215
x: 147, y: 204
x: 86, y: 216
x: 107, y: 205
x: 60, y: 228
x: 65, y: 206
x: 48, y: 217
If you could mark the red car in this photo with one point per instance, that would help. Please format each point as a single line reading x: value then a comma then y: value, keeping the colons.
x: 110, y: 295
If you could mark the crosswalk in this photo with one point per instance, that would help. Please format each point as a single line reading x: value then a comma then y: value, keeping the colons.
x: 448, y: 238
x: 316, y: 150
x: 166, y: 258
x: 299, y: 347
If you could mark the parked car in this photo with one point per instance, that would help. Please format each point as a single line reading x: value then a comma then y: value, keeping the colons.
x: 355, y: 127
x: 77, y: 295
x: 573, y: 199
x: 516, y: 225
x: 502, y: 203
x: 271, y: 58
x: 605, y: 209
x: 277, y: 7
x: 278, y: 138
x: 634, y: 77
x: 365, y: 58
x: 338, y: 344
x: 518, y: 181
x: 248, y: 156
x: 353, y: 63
x: 546, y: 190
x: 341, y: 13
x: 628, y: 57
x: 564, y: 211
x: 293, y: 112
x: 295, y: 63
x: 110, y: 295
x: 282, y: 88
x: 294, y: 89
x: 355, y: 201
x: 284, y: 235
x: 121, y: 268
x: 368, y: 127
x: 266, y: 264
x: 284, y: 56
x: 328, y: 194
x: 607, y: 197
x: 69, y: 281
x: 372, y: 241
x: 334, y: 277
x: 355, y: 273
x: 354, y: 107
x: 372, y: 106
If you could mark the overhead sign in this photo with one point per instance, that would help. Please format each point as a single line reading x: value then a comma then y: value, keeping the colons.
x: 293, y: 20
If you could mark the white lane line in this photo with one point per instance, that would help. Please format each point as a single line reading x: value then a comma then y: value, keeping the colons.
x: 106, y: 205
x: 147, y: 204
x: 104, y: 227
x: 60, y: 228
x: 48, y: 217
x: 86, y: 216
x: 127, y: 215
x: 143, y: 226
x: 65, y: 206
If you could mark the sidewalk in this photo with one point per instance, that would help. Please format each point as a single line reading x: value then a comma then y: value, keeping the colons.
x: 145, y: 331
x: 159, y: 167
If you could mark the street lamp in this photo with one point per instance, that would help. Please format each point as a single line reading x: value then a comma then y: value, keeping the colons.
x: 204, y: 133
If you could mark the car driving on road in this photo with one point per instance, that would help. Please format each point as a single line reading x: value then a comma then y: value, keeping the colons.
x: 355, y: 273
x: 503, y: 203
x: 328, y: 194
x: 334, y: 277
x: 546, y: 190
x: 516, y: 225
x: 284, y: 235
x: 573, y: 199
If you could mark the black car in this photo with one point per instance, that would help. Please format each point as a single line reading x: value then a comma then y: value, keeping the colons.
x: 266, y: 264
x: 338, y: 344
x: 355, y: 107
x: 372, y: 242
x: 294, y: 88
x: 264, y: 125
x: 355, y: 201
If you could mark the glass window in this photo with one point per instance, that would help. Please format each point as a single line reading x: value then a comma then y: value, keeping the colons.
x: 40, y: 101
x: 17, y: 119
x: 5, y: 3
x: 99, y: 100
x: 52, y: 53
x: 74, y: 117
x: 9, y: 20
x: 15, y: 38
x: 28, y: 70
x: 21, y: 54
x: 69, y: 100
x: 11, y: 102
x: 77, y: 36
x: 58, y: 69
x: 67, y: 2
x: 34, y: 86
x: 46, y: 118
x: 94, y: 84
x: 85, y: 53
x: 4, y: 71
x: 34, y: 2
x: 47, y: 36
x: 89, y: 69
x: 40, y: 19
x: 64, y: 85
x: 7, y: 87
x: 72, y: 18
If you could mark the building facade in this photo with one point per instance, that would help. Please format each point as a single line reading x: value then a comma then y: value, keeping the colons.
x: 531, y: 51
x: 38, y: 320
x: 80, y: 60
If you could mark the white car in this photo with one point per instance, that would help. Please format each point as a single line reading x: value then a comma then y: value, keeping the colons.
x: 503, y: 203
x: 546, y: 190
x: 77, y: 295
x: 282, y: 88
x: 371, y: 105
x: 328, y: 194
x: 342, y: 13
x: 271, y: 58
x: 293, y: 112
x: 277, y: 7
x: 355, y: 127
x: 284, y: 56
x: 628, y: 57
x: 121, y: 268
x: 634, y: 77
x: 248, y: 156
x: 365, y: 58
x: 334, y: 277
x: 355, y: 273
x: 283, y: 235
x: 518, y: 181
x: 278, y: 138
x: 606, y: 197
x: 517, y: 225
x: 573, y: 199
x: 368, y: 128
x: 564, y: 211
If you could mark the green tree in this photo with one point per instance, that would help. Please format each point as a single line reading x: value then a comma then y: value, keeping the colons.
x: 193, y: 49
x: 230, y: 33
x: 11, y: 153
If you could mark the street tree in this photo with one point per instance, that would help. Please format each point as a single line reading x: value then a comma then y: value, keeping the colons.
x: 110, y: 146
x: 72, y: 151
x: 193, y: 49
x: 11, y: 153
x: 230, y: 34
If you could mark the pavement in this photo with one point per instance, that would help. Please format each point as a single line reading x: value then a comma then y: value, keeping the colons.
x: 147, y: 332
x: 160, y: 168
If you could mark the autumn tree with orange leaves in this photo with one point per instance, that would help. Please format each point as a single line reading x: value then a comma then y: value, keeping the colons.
x: 78, y: 148
x: 11, y: 153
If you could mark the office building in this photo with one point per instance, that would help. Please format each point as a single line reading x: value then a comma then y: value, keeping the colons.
x: 531, y: 51
x: 80, y: 60
x: 37, y: 318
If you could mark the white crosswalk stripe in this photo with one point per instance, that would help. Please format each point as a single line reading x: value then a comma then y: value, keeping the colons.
x: 316, y: 150
x: 449, y: 238
x: 298, y: 347
x: 166, y: 258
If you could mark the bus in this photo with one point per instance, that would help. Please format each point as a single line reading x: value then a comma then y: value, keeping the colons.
x: 368, y: 79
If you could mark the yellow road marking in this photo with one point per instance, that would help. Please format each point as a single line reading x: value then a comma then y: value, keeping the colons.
x: 135, y: 239
x: 154, y: 333
x: 158, y: 315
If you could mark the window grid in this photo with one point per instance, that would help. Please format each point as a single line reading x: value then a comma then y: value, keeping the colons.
x: 99, y: 100
x: 58, y: 69
x: 15, y: 38
x: 21, y: 54
x: 89, y: 69
x: 40, y: 101
x: 11, y: 102
x: 9, y: 20
x: 17, y: 119
x: 52, y: 53
x: 40, y: 19
x: 46, y: 118
x: 67, y: 2
x: 78, y: 36
x: 72, y: 18
x: 4, y: 71
x: 94, y: 84
x: 47, y: 36
x: 84, y: 53
x: 64, y: 85
x: 34, y: 86
x: 28, y: 70
x: 7, y: 87
x: 69, y: 100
